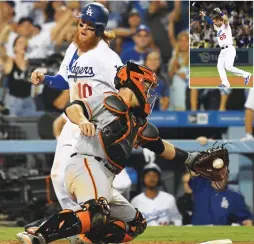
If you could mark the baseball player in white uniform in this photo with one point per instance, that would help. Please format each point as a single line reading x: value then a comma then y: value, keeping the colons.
x: 228, y: 51
x: 86, y: 72
x: 249, y: 116
x: 158, y: 207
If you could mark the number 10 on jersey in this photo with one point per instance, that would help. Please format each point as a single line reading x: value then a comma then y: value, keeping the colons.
x: 84, y: 90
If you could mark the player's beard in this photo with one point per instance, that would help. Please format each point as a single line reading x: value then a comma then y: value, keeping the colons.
x: 87, y: 45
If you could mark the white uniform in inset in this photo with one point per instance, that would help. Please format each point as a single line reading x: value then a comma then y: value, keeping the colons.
x: 250, y: 100
x: 227, y: 54
x: 161, y: 210
x: 94, y: 73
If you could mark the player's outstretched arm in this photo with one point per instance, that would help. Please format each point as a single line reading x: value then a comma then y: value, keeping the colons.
x: 224, y: 16
x: 78, y: 114
x: 208, y: 20
x: 57, y: 81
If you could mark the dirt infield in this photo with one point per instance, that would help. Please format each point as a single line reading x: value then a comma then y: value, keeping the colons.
x: 215, y: 81
x: 138, y: 242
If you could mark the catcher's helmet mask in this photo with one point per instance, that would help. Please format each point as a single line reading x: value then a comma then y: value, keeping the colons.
x: 96, y: 15
x: 142, y: 81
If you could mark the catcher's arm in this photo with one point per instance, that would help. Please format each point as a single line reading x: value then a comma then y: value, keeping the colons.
x: 78, y: 114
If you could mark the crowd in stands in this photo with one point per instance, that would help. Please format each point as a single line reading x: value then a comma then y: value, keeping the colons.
x: 240, y: 14
x: 152, y: 33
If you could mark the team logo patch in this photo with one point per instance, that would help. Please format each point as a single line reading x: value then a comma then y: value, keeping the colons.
x: 224, y: 203
x: 89, y: 11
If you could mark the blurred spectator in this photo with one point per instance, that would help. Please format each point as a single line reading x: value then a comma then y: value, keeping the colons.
x: 23, y: 9
x: 153, y: 61
x: 249, y: 116
x: 158, y: 207
x: 114, y: 18
x: 24, y: 28
x: 141, y: 7
x: 42, y: 44
x: 208, y: 99
x: 18, y: 99
x: 213, y: 207
x: 240, y: 18
x: 178, y: 66
x: 142, y: 39
x: 125, y: 40
x: 154, y: 18
x: 6, y: 19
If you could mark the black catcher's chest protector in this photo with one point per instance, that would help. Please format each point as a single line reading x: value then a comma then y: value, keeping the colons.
x: 118, y: 137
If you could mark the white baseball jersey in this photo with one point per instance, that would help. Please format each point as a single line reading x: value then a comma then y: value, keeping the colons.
x: 224, y: 35
x: 40, y: 46
x: 250, y: 100
x: 94, y: 71
x: 161, y: 210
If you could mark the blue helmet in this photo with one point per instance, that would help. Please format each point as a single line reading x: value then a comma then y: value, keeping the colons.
x: 97, y: 14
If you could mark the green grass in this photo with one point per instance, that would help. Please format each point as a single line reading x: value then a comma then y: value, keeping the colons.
x: 171, y: 233
x: 211, y: 71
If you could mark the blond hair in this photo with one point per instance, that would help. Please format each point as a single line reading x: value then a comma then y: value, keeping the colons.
x: 108, y: 36
x: 185, y: 55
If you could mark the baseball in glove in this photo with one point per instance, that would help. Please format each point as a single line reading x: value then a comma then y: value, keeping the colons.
x: 202, y: 163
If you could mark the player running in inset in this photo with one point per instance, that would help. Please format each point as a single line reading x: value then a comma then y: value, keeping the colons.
x: 228, y: 51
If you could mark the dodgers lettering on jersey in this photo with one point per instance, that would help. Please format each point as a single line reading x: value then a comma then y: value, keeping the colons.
x: 224, y: 35
x: 93, y: 72
x: 161, y: 210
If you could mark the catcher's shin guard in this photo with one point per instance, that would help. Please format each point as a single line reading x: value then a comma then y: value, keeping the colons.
x: 118, y: 231
x: 69, y: 223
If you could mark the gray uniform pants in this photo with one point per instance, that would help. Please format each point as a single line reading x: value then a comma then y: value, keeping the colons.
x: 86, y: 179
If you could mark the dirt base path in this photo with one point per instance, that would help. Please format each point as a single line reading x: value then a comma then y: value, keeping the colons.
x: 237, y: 82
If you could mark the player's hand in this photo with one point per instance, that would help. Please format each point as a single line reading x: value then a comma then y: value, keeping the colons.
x: 217, y: 10
x: 37, y: 77
x: 202, y: 13
x: 87, y: 128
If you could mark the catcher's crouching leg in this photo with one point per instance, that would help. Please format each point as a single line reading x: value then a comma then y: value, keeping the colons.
x: 117, y: 231
x: 69, y: 223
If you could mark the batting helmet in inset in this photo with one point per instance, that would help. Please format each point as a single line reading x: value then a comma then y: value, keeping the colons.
x: 97, y: 14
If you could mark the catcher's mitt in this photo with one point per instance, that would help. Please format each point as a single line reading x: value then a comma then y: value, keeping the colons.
x: 202, y: 164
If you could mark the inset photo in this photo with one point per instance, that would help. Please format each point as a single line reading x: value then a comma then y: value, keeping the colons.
x: 221, y: 44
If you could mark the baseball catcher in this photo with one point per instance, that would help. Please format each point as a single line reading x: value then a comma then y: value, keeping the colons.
x: 111, y: 125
